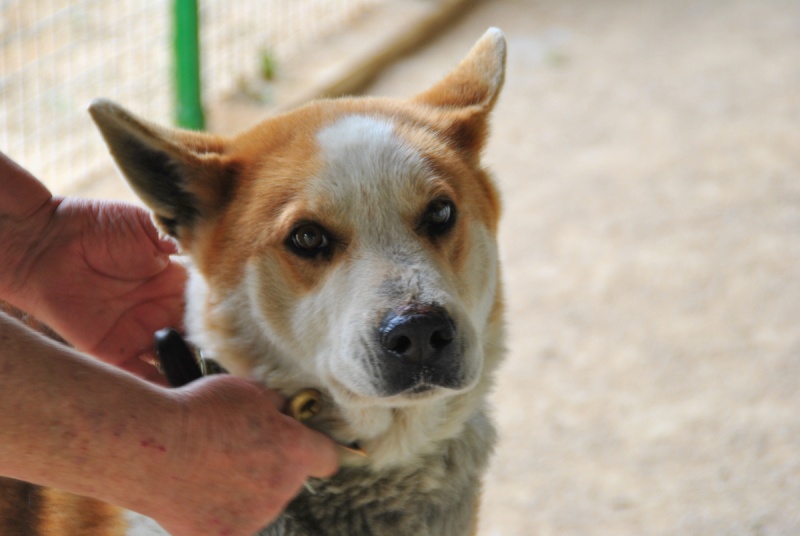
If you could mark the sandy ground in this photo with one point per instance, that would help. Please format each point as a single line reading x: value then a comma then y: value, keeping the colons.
x: 649, y: 157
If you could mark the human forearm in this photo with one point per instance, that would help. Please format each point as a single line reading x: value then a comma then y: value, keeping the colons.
x: 214, y: 457
x: 70, y: 422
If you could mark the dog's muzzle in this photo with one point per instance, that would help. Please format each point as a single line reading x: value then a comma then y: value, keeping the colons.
x: 421, y: 350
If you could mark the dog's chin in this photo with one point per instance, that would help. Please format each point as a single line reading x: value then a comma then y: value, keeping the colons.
x: 421, y: 383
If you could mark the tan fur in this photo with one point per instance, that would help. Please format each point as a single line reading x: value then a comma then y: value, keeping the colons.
x: 67, y: 514
x: 28, y: 510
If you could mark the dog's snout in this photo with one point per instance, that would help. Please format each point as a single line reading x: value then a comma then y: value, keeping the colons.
x: 418, y: 335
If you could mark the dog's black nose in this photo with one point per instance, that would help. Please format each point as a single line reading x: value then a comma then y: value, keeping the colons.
x: 418, y: 334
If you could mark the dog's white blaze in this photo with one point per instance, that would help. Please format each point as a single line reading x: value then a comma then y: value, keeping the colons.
x: 361, y: 147
x: 368, y: 175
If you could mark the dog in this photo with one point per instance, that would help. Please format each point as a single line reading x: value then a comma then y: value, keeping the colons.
x: 349, y: 247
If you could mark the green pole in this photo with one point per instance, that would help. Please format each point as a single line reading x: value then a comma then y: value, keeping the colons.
x: 188, y: 102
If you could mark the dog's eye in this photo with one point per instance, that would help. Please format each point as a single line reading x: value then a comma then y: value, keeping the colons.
x: 439, y: 217
x: 309, y: 240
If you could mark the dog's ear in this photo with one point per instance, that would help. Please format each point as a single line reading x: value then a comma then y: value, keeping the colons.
x: 181, y: 176
x: 470, y: 91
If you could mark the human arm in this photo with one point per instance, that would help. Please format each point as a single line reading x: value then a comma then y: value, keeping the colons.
x: 215, y: 457
x: 96, y: 272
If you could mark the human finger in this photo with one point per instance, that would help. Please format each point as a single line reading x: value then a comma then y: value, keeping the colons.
x: 325, y: 459
x: 165, y: 245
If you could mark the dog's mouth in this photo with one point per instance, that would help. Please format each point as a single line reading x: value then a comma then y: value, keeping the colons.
x: 383, y: 381
x: 421, y: 381
x: 420, y: 389
x: 417, y: 352
x: 396, y: 385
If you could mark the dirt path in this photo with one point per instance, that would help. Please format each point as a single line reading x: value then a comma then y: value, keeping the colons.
x: 649, y: 155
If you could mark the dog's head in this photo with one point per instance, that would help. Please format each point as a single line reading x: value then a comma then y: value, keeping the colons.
x: 347, y: 245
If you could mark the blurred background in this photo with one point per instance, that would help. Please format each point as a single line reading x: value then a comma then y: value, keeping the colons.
x: 57, y: 55
x: 648, y: 154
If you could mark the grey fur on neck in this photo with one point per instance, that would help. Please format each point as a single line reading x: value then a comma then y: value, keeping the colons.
x: 437, y: 495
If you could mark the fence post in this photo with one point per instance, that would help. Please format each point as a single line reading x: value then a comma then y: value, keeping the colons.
x: 188, y: 101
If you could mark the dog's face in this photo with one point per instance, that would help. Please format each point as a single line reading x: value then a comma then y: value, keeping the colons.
x: 348, y: 245
x: 375, y: 270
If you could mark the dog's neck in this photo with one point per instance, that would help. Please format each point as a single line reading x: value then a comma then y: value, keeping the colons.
x: 437, y: 495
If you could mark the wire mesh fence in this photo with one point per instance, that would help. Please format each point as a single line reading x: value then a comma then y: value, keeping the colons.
x: 56, y: 55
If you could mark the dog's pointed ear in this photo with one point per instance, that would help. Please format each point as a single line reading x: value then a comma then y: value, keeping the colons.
x: 181, y: 176
x: 470, y: 91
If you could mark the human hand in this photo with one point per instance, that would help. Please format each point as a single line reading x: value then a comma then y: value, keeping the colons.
x: 240, y: 460
x: 214, y: 457
x: 99, y: 274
